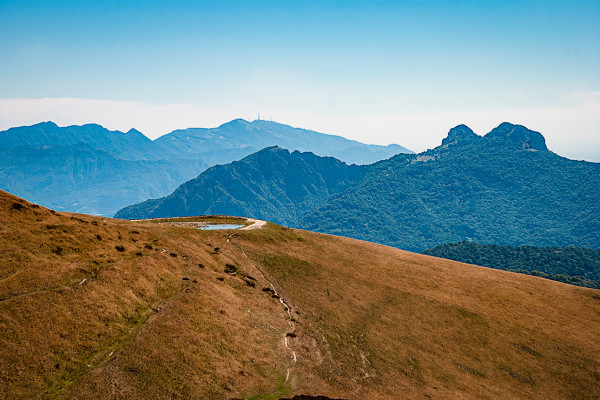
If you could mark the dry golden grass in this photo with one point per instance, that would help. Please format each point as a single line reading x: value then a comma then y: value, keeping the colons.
x: 393, y: 324
x: 134, y: 327
x: 82, y: 317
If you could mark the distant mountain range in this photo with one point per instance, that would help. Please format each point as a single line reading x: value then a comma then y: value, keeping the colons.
x: 91, y: 169
x: 239, y: 138
x: 82, y: 179
x: 272, y: 184
x: 503, y: 188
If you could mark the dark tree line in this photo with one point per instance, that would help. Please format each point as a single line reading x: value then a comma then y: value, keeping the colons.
x: 574, y: 265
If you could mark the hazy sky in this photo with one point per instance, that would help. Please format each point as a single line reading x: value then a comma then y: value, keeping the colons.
x: 376, y: 71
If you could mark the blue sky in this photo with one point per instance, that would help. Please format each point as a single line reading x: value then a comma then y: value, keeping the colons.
x: 375, y: 71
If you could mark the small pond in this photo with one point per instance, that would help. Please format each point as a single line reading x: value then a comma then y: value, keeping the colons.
x: 211, y: 227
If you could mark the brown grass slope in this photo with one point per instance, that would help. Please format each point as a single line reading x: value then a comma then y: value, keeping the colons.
x: 99, y: 308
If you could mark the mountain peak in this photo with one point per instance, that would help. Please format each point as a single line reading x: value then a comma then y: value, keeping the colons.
x: 47, y: 123
x: 89, y: 126
x: 234, y: 123
x: 459, y: 132
x: 520, y: 135
x: 268, y: 152
x: 273, y: 149
x: 134, y: 131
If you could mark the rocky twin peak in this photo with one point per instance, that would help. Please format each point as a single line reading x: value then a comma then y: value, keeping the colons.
x: 505, y: 132
x: 520, y: 135
x: 459, y: 133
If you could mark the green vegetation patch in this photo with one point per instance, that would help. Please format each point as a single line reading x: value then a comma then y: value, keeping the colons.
x: 282, y: 388
x: 573, y: 265
x: 288, y: 267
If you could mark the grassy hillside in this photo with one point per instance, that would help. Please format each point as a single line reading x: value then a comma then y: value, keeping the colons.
x: 99, y: 308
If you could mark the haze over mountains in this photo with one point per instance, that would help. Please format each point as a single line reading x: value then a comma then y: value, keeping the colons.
x: 239, y: 138
x: 503, y: 188
x: 272, y: 184
x: 91, y: 169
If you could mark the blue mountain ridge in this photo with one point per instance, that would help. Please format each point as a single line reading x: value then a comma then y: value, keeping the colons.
x: 91, y: 169
x: 502, y: 188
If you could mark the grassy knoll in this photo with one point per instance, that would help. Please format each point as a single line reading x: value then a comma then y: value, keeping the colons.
x: 99, y: 308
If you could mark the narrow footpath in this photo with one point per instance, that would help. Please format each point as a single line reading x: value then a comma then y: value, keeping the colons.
x: 288, y: 308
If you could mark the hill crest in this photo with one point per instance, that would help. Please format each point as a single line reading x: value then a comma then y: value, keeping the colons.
x: 520, y: 135
x: 94, y: 307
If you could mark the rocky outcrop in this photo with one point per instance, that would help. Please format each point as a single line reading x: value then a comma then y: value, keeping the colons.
x: 518, y: 135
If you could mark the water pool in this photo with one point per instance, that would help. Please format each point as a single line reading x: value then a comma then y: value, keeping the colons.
x: 211, y: 227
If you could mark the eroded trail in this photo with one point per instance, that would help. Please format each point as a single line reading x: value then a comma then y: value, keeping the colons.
x: 288, y: 308
x: 256, y: 224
